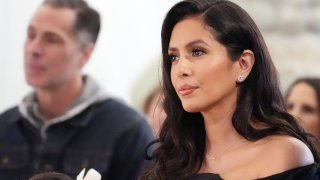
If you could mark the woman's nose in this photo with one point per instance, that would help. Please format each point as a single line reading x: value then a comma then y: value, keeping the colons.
x: 184, y: 68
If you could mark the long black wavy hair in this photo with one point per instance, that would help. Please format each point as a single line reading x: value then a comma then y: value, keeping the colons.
x: 181, y: 144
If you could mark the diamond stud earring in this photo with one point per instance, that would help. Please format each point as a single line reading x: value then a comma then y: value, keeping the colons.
x: 240, y: 79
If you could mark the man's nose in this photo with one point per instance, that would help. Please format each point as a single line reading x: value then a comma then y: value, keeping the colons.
x: 34, y: 47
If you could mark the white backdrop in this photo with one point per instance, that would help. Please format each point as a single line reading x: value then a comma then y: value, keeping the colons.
x: 129, y: 41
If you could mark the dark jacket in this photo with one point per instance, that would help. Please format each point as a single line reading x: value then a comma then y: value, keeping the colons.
x: 108, y: 136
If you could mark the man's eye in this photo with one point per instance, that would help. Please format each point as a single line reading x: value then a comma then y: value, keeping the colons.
x: 197, y: 52
x: 51, y: 39
x: 31, y: 36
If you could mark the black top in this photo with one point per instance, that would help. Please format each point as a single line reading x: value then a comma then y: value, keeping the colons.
x: 309, y: 172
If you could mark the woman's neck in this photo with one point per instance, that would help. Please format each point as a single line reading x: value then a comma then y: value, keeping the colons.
x: 220, y: 132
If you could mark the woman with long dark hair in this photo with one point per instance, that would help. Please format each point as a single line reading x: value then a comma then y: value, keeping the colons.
x: 226, y: 117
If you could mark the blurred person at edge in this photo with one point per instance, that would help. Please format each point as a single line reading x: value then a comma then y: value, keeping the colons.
x: 303, y: 102
x: 68, y: 122
x: 153, y: 108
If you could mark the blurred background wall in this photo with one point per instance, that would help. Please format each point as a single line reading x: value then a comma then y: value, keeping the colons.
x: 126, y: 59
x: 291, y: 29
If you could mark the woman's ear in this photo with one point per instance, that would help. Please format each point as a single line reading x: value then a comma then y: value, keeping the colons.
x: 246, y: 62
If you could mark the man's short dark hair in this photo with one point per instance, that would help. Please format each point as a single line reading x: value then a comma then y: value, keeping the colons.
x: 87, y: 23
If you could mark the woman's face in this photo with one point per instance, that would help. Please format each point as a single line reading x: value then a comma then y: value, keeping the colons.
x: 202, y: 73
x: 302, y: 103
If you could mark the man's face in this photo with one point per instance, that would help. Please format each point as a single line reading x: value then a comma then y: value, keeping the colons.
x: 52, y: 55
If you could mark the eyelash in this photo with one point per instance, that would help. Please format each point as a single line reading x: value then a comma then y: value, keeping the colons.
x: 172, y: 58
x: 196, y: 52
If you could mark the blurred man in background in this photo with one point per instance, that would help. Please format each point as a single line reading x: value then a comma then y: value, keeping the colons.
x: 68, y: 123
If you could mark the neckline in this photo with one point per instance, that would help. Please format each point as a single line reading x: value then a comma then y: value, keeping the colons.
x: 273, y: 175
x: 208, y: 174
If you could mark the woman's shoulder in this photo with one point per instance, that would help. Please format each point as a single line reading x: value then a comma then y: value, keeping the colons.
x: 281, y: 153
x: 288, y: 149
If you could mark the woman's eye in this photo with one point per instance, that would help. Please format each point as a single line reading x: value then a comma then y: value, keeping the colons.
x: 197, y: 52
x: 173, y: 58
x: 308, y: 109
x: 289, y: 107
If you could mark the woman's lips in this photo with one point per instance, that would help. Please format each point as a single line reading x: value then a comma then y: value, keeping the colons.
x: 187, y: 89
